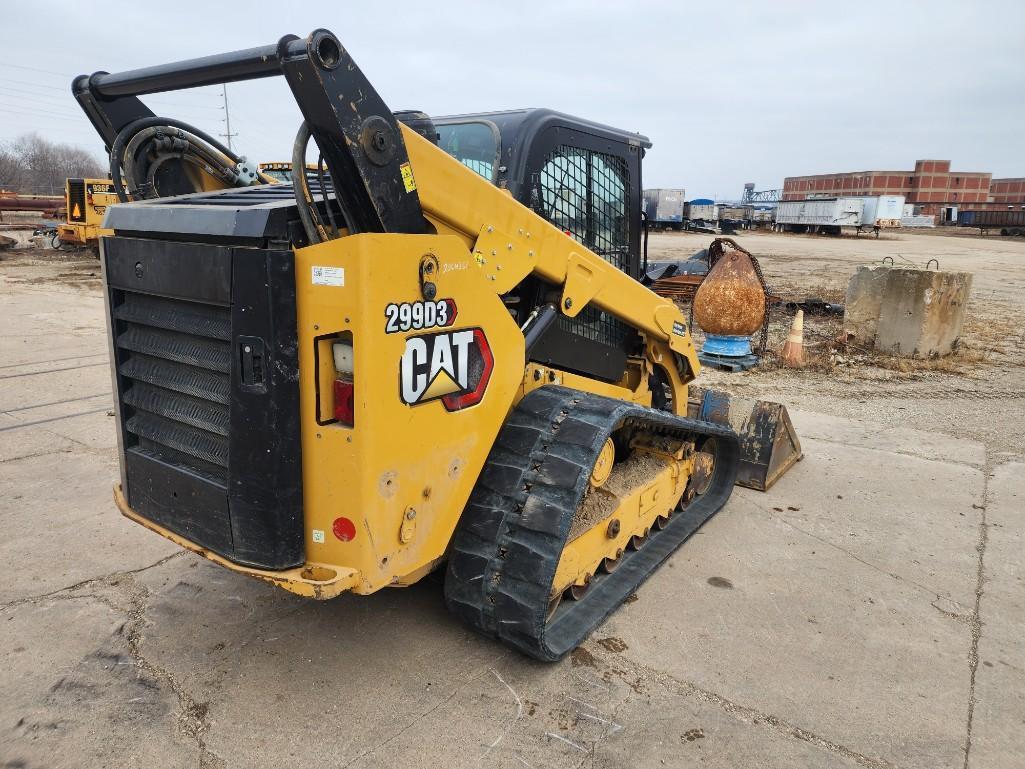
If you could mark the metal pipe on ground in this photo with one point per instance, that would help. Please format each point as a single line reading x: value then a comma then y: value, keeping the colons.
x: 26, y: 203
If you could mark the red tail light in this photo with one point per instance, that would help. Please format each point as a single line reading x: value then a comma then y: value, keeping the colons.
x: 344, y: 401
x: 341, y: 352
x: 344, y: 529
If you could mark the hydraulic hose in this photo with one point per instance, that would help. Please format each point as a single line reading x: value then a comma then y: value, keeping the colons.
x: 315, y: 231
x: 161, y: 148
x: 214, y: 157
x: 323, y: 193
x: 313, y: 225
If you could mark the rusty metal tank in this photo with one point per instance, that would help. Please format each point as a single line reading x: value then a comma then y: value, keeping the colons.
x: 730, y: 300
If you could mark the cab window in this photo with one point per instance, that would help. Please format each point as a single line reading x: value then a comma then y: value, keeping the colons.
x: 585, y: 193
x: 472, y: 144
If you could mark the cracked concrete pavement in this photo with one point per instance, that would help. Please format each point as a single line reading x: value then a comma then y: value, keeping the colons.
x: 867, y: 612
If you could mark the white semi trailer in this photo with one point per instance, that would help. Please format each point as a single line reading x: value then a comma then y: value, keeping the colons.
x: 818, y: 214
x: 912, y: 217
x: 833, y: 214
x: 882, y: 212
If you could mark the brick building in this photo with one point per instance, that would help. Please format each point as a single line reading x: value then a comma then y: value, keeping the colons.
x: 1007, y: 192
x: 931, y: 186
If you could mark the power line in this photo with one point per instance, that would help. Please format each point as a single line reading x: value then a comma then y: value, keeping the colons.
x: 182, y: 104
x: 67, y: 90
x: 55, y: 132
x: 38, y: 115
x: 36, y: 69
x: 22, y: 81
x: 33, y: 95
x: 18, y: 100
x: 52, y: 109
x: 47, y: 115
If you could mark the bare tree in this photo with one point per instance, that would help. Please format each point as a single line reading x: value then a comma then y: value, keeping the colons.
x: 33, y: 165
x: 12, y: 171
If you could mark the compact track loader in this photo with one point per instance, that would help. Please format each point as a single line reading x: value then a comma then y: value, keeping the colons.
x: 434, y: 351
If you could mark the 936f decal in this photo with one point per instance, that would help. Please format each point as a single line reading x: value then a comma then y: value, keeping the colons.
x: 454, y: 366
x: 416, y: 316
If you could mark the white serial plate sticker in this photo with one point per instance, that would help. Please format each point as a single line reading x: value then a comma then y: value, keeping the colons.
x: 318, y: 536
x: 329, y: 276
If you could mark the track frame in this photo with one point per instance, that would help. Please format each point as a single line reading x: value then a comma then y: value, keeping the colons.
x: 509, y: 542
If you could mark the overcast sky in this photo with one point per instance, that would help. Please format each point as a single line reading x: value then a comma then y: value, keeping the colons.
x: 728, y: 92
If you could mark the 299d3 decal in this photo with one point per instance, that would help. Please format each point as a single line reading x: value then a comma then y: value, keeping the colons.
x: 417, y: 316
x: 454, y: 366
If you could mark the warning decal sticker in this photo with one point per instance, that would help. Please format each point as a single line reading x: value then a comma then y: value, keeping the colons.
x: 407, y: 177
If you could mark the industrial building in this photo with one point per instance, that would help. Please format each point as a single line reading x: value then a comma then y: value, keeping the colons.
x: 931, y: 187
x: 1008, y: 192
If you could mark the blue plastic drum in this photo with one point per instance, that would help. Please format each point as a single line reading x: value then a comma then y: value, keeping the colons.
x: 730, y: 346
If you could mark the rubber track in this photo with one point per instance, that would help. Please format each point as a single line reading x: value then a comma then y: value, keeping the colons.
x: 512, y: 533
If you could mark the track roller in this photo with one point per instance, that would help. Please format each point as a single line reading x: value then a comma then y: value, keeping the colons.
x: 512, y: 534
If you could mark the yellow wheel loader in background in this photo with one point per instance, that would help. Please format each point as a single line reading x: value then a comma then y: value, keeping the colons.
x: 280, y: 171
x: 436, y: 352
x: 86, y: 201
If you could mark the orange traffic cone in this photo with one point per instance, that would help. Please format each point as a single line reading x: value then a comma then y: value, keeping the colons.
x: 793, y: 350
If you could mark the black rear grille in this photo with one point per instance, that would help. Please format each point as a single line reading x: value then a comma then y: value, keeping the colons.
x: 175, y: 360
x: 210, y: 448
x: 180, y: 348
x: 162, y: 453
x: 181, y: 408
x: 184, y: 380
x: 183, y: 439
x: 76, y: 200
x: 175, y: 315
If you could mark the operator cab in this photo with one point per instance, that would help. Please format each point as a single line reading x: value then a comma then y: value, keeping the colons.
x: 583, y: 177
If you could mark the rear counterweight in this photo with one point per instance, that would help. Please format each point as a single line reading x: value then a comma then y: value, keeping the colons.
x: 206, y: 378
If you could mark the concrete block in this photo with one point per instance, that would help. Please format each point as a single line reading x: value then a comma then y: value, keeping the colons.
x: 906, y: 311
x: 863, y: 303
x: 922, y: 312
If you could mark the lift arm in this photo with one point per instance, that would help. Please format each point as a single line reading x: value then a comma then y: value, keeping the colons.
x: 372, y: 158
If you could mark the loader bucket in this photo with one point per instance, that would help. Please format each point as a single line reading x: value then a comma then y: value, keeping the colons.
x: 768, y: 443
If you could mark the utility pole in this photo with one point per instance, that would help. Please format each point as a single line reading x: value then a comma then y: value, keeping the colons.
x: 227, y: 117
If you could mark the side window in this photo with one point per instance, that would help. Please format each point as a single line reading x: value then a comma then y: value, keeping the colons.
x: 564, y: 190
x: 472, y: 144
x: 608, y: 202
x: 585, y: 193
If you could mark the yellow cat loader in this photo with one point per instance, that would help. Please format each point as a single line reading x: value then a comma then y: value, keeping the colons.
x: 280, y: 171
x: 435, y: 352
x: 87, y: 201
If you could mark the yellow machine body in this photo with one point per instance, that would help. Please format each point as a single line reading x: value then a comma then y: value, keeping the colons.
x: 403, y: 473
x: 340, y: 381
x: 87, y: 201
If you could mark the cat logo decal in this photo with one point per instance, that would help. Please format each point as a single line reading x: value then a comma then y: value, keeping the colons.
x: 454, y: 366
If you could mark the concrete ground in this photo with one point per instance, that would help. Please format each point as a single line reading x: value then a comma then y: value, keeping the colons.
x: 867, y: 612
